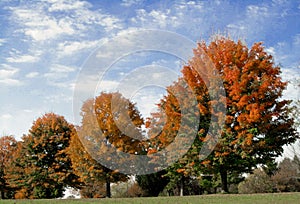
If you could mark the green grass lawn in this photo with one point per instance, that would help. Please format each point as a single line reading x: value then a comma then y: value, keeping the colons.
x: 287, y: 198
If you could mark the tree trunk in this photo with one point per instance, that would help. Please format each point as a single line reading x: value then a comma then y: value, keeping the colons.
x: 181, y: 186
x: 108, y: 192
x: 2, y: 195
x: 223, y: 173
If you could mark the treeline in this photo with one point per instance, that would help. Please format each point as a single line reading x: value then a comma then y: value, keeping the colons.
x: 204, y: 138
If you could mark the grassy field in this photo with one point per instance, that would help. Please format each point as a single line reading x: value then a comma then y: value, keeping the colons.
x: 286, y: 198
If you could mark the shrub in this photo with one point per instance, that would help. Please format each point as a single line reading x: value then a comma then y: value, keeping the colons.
x: 258, y: 182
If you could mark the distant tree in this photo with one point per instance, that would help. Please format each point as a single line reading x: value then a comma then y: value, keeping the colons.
x: 41, y: 167
x: 257, y: 182
x: 8, y: 145
x: 135, y: 191
x: 287, y: 178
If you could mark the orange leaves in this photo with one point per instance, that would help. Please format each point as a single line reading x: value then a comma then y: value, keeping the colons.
x: 253, y: 90
x: 206, y: 162
x: 119, y: 120
x: 180, y: 171
x: 41, y: 163
x: 151, y: 151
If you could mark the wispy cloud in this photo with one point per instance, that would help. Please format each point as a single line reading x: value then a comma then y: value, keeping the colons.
x: 73, y: 47
x: 128, y: 3
x: 32, y: 75
x: 58, y: 68
x: 7, y: 74
x: 58, y: 73
x: 39, y: 26
x: 38, y: 21
x: 22, y: 59
x: 2, y: 41
x: 67, y: 5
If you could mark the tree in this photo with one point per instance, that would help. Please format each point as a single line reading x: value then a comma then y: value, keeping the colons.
x: 96, y: 135
x: 287, y: 178
x: 257, y: 124
x: 42, y: 168
x: 176, y: 123
x: 153, y: 183
x: 7, y: 147
x: 258, y: 182
x: 119, y: 121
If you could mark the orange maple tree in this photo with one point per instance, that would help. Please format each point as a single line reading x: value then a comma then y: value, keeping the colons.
x: 41, y: 167
x: 8, y: 145
x: 257, y: 123
x: 91, y: 172
x: 119, y: 121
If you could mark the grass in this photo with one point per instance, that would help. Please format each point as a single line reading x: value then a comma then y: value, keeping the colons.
x: 278, y: 198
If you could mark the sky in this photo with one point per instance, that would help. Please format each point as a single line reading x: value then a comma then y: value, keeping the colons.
x: 46, y: 44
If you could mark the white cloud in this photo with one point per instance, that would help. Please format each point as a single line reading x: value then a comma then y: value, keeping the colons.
x: 7, y: 71
x: 40, y: 22
x: 58, y: 73
x: 22, y: 59
x: 257, y: 11
x: 271, y: 51
x: 32, y: 75
x: 59, y: 76
x: 69, y: 48
x: 67, y: 5
x: 107, y: 85
x: 58, y: 68
x: 20, y: 117
x: 128, y: 3
x: 2, y: 41
x: 6, y: 116
x: 40, y: 26
x: 58, y: 98
x: 10, y: 82
x: 7, y: 74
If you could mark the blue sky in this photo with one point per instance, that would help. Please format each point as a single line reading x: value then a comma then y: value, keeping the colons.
x: 45, y: 43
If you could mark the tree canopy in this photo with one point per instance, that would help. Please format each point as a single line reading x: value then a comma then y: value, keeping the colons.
x: 41, y: 167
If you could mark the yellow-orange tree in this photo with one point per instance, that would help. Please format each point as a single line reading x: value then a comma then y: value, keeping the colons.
x: 119, y: 121
x: 41, y: 167
x: 257, y: 124
x: 8, y: 145
x: 92, y: 173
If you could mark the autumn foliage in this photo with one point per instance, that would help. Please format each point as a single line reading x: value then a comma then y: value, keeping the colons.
x: 8, y: 145
x: 93, y: 175
x: 41, y: 167
x: 222, y: 118
x: 257, y: 122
